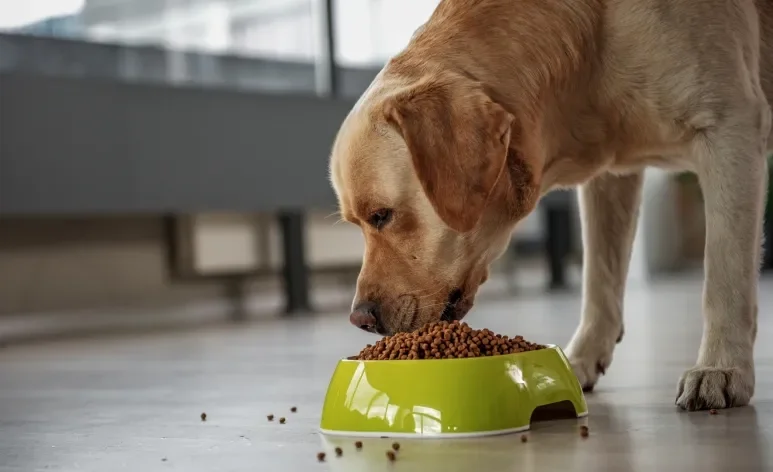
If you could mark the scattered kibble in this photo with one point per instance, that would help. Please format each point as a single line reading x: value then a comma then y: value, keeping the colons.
x: 203, y: 417
x: 584, y: 431
x: 713, y: 411
x: 391, y: 456
x: 358, y: 445
x: 445, y: 340
x: 321, y: 456
x: 282, y: 420
x: 524, y: 438
x: 163, y: 459
x: 396, y: 446
x: 270, y: 417
x: 339, y: 452
x: 293, y: 410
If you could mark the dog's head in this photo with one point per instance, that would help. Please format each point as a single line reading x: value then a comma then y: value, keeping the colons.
x: 432, y: 175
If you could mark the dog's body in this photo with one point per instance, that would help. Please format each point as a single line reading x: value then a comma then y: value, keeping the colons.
x: 496, y: 102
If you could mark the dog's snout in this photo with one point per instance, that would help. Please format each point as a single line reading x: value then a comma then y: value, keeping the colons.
x: 364, y: 316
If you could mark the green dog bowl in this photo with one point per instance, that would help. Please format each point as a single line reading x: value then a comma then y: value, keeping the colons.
x: 448, y: 397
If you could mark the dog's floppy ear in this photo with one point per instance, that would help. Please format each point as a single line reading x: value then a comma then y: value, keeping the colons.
x: 458, y: 139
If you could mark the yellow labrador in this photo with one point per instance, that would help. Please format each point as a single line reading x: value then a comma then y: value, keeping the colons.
x: 495, y: 102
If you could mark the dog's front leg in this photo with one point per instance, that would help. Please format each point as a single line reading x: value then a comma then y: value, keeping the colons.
x: 609, y: 206
x: 733, y: 176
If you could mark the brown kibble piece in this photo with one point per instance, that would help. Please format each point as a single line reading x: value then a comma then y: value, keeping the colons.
x: 391, y: 456
x: 358, y: 445
x: 445, y: 340
x: 282, y: 420
x: 293, y: 410
x: 203, y: 417
x: 396, y: 446
x: 339, y: 452
x: 321, y: 456
x: 584, y: 431
x: 713, y: 411
x: 524, y: 438
x: 270, y: 417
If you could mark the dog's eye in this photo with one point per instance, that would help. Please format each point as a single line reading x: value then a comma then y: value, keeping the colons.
x: 379, y: 218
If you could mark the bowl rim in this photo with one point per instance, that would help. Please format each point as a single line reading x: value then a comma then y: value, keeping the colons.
x: 548, y: 347
x: 431, y: 436
x: 385, y: 435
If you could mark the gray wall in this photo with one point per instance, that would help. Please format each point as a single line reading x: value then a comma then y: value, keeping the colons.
x: 86, y: 146
x: 92, y: 128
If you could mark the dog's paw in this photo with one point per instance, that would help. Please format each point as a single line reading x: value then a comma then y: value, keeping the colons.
x: 590, y: 356
x: 703, y: 388
x: 590, y: 367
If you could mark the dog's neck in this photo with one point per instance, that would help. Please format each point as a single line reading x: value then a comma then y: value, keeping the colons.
x: 542, y: 78
x: 549, y: 47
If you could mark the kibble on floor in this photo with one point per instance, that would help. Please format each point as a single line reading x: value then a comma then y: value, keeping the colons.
x: 339, y: 452
x: 391, y: 456
x: 293, y: 410
x: 358, y: 444
x: 524, y: 438
x: 584, y: 431
x: 321, y: 456
x: 270, y: 417
x: 396, y: 446
x: 444, y: 340
x: 203, y: 417
x: 282, y: 420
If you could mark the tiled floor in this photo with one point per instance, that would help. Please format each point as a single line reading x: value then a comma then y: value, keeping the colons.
x: 133, y: 402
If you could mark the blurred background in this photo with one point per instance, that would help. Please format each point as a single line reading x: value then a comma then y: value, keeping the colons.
x: 165, y: 162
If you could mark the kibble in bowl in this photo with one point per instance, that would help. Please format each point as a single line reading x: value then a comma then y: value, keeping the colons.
x: 444, y: 340
x: 447, y: 380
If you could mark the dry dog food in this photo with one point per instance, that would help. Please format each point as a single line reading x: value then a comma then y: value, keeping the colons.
x: 321, y: 456
x: 282, y: 421
x: 358, y: 445
x: 524, y: 438
x: 396, y: 446
x: 270, y: 417
x: 203, y: 417
x: 444, y: 340
x: 584, y: 431
x: 293, y: 410
x: 391, y: 456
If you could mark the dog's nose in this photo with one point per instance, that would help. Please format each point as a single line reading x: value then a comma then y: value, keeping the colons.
x: 364, y: 316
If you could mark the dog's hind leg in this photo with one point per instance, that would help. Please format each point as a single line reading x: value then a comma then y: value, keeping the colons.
x: 609, y: 206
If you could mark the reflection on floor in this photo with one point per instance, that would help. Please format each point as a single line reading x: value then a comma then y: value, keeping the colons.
x: 134, y: 402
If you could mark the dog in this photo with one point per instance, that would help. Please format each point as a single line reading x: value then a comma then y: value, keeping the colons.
x: 494, y: 103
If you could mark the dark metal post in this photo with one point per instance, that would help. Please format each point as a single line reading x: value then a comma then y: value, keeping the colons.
x: 558, y: 237
x: 295, y: 271
x: 767, y: 254
x: 236, y: 294
x: 330, y: 47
